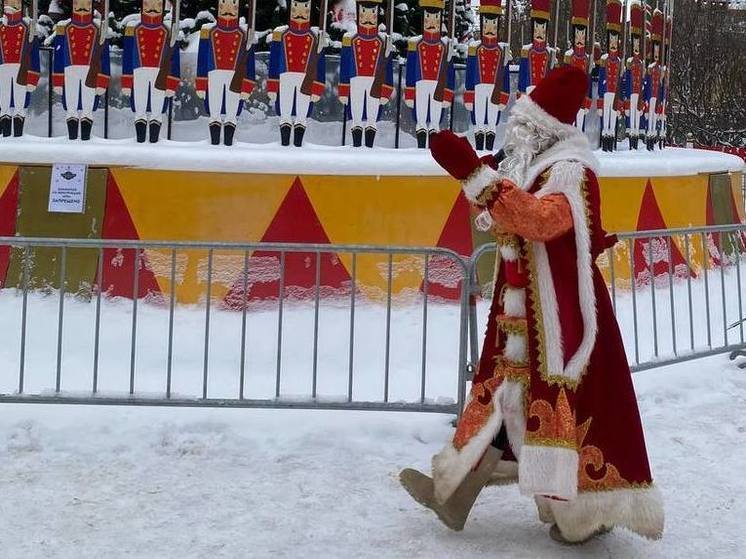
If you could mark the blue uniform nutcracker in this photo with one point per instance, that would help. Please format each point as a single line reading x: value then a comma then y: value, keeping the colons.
x: 226, y: 69
x: 297, y: 69
x: 430, y: 72
x: 150, y: 67
x: 81, y: 67
x: 653, y: 88
x: 487, y: 76
x: 19, y: 66
x: 634, y: 75
x: 536, y: 58
x: 366, y: 73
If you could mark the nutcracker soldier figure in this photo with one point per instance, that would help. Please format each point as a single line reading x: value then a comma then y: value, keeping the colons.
x: 148, y: 50
x: 653, y: 87
x: 81, y: 67
x: 577, y: 55
x: 430, y: 72
x: 297, y: 69
x: 19, y: 66
x: 633, y: 76
x: 609, y: 102
x: 536, y: 58
x: 487, y: 70
x: 366, y: 74
x: 666, y: 60
x: 225, y: 70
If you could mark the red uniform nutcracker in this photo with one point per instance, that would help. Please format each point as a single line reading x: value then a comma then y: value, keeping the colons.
x: 609, y: 98
x: 633, y: 76
x: 536, y: 58
x: 654, y: 82
x: 578, y: 55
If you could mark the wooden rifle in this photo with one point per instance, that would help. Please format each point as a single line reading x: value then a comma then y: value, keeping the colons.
x: 501, y: 67
x: 239, y: 74
x: 94, y: 69
x: 385, y: 56
x: 22, y: 78
x: 622, y: 42
x: 161, y: 81
x: 445, y: 61
x: 306, y: 87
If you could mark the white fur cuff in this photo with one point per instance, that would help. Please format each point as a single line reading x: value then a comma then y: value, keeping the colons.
x: 478, y: 182
x: 548, y: 470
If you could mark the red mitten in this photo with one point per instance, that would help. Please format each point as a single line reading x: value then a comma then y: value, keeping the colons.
x: 456, y: 155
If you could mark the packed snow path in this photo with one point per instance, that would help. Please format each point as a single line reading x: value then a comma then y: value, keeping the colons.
x: 113, y: 482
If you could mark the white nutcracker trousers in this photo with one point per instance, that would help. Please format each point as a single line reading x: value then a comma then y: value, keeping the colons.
x: 293, y: 103
x: 633, y: 129
x: 12, y: 95
x: 363, y: 107
x: 652, y: 129
x: 222, y: 103
x: 609, y: 116
x: 79, y: 99
x: 147, y: 98
x: 427, y: 110
x: 486, y: 113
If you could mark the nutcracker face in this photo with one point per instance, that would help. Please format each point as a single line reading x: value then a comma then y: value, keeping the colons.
x: 613, y: 42
x: 11, y: 7
x: 228, y: 9
x: 656, y: 51
x: 489, y: 26
x: 367, y: 15
x: 152, y: 7
x: 540, y: 30
x: 636, y: 45
x: 300, y: 12
x: 431, y: 20
x: 82, y: 7
x: 579, y: 33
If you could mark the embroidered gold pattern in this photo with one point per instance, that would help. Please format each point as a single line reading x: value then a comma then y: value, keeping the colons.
x: 556, y: 423
x: 592, y: 463
x: 478, y: 411
x: 512, y: 324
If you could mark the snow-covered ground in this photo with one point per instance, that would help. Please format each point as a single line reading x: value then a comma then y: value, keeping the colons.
x: 112, y: 482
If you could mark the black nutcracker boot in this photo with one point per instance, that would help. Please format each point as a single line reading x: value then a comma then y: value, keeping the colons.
x: 298, y: 133
x: 215, y: 129
x: 479, y: 140
x: 357, y: 136
x: 422, y: 139
x: 489, y: 141
x: 370, y: 136
x: 141, y: 127
x: 18, y: 122
x: 229, y: 130
x: 86, y: 124
x: 72, y: 128
x: 155, y: 131
x: 285, y: 130
x: 5, y: 125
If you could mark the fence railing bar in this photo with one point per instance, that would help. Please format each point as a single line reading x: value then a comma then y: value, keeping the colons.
x: 353, y: 287
x: 425, y: 284
x: 669, y: 243
x: 24, y: 318
x: 244, y: 305
x: 316, y: 297
x: 97, y: 326
x: 171, y: 307
x: 740, y: 295
x: 651, y: 268
x: 135, y: 297
x: 689, y: 290
x: 60, y: 317
x: 280, y: 298
x: 723, y: 264
x: 633, y: 280
x: 388, y: 328
x: 208, y: 300
x: 705, y: 266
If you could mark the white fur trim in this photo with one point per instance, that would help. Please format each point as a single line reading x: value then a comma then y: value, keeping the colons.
x: 478, y: 182
x: 639, y: 510
x: 515, y: 348
x: 515, y: 416
x: 574, y: 147
x: 548, y: 470
x: 566, y: 178
x: 450, y: 466
x: 514, y: 302
x: 508, y: 252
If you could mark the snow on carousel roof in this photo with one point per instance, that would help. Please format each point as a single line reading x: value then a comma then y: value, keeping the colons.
x: 321, y: 160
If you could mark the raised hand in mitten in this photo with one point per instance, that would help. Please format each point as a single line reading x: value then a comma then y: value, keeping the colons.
x: 456, y: 155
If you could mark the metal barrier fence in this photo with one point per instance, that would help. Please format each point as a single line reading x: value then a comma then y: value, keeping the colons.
x: 375, y: 351
x: 380, y: 339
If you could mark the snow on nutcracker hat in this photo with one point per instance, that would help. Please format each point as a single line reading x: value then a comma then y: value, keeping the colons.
x: 491, y: 7
x: 561, y: 93
x: 656, y: 25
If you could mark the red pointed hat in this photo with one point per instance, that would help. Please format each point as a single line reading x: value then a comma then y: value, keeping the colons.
x: 562, y: 92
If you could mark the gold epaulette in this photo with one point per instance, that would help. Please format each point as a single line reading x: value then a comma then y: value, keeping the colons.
x: 346, y: 41
x: 129, y: 31
x: 277, y: 35
x: 59, y: 29
x: 204, y: 33
x: 412, y: 44
x: 472, y: 50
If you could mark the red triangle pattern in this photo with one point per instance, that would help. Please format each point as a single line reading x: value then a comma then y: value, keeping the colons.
x: 296, y: 221
x: 8, y: 213
x: 651, y: 218
x: 118, y: 267
x: 444, y: 276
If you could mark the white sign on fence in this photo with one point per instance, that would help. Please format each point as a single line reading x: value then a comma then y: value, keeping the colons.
x: 67, y: 189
